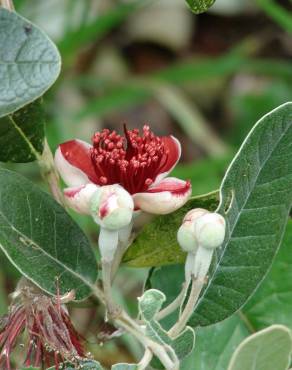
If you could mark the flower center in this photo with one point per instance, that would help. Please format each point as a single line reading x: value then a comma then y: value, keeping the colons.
x: 133, y: 160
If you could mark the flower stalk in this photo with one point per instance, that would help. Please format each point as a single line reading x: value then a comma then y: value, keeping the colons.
x: 200, y: 234
x: 49, y: 173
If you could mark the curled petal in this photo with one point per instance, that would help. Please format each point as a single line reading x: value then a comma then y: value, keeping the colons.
x: 173, y: 153
x: 165, y: 197
x: 79, y: 197
x: 73, y: 161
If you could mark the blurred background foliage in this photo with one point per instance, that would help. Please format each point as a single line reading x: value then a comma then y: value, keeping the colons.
x: 205, y: 79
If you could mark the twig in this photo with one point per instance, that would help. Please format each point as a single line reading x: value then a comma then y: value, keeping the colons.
x: 174, y: 304
x: 112, y: 309
x: 197, y: 285
x: 49, y: 173
x: 145, y: 360
x: 158, y: 349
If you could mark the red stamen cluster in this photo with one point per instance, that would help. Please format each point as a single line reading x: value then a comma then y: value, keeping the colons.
x: 132, y: 161
x: 52, y: 338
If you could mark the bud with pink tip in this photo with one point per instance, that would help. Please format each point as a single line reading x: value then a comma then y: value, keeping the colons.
x: 112, y: 208
x: 210, y: 230
x: 186, y: 233
x: 200, y: 233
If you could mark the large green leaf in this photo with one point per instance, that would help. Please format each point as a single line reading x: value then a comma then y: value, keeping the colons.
x: 200, y: 6
x: 269, y: 349
x: 156, y: 245
x: 41, y: 240
x: 272, y: 302
x: 29, y: 62
x: 256, y: 197
x: 215, y: 345
x: 22, y: 134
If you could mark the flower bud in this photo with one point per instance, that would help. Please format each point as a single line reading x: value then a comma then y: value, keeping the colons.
x: 112, y: 207
x: 210, y: 230
x: 186, y: 233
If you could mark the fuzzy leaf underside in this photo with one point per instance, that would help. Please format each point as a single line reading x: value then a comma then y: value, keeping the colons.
x: 149, y: 305
x: 268, y: 349
x: 29, y: 62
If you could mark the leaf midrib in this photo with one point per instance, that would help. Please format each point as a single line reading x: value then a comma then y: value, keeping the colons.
x: 24, y: 137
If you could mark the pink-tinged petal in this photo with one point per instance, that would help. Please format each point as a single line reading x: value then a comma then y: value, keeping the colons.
x: 78, y: 198
x: 173, y: 149
x: 73, y: 161
x: 165, y: 197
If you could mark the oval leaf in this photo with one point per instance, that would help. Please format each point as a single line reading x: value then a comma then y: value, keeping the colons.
x: 215, y: 345
x: 41, y: 240
x: 268, y: 349
x: 256, y: 196
x: 200, y: 6
x: 29, y: 62
x: 275, y: 292
x: 22, y: 134
x: 156, y: 245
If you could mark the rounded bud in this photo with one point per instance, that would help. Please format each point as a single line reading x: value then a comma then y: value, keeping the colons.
x: 112, y: 207
x: 186, y: 237
x: 186, y: 233
x: 210, y: 230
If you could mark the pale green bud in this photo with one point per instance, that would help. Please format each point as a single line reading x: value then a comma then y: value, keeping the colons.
x: 186, y: 233
x: 210, y: 230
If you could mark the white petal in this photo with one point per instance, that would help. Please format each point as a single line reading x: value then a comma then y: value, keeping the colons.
x: 166, y: 197
x: 78, y: 198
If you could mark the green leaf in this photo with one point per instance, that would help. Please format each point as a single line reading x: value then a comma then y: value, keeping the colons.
x: 41, y: 240
x: 125, y: 367
x: 22, y: 134
x: 156, y: 245
x: 272, y: 302
x: 200, y: 6
x: 29, y: 62
x: 268, y: 349
x: 215, y: 345
x: 84, y: 365
x: 256, y: 196
x: 149, y: 305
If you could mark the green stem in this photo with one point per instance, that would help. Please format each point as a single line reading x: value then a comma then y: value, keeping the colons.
x: 246, y: 321
x: 49, y: 173
x: 197, y: 286
x: 174, y: 304
x: 145, y: 361
x: 112, y: 309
